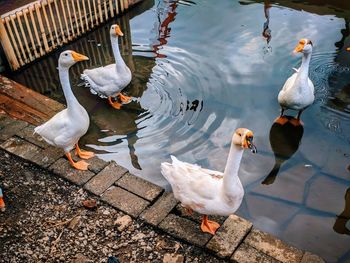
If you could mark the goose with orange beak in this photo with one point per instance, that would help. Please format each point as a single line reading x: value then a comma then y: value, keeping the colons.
x: 210, y: 192
x: 65, y: 128
x: 109, y: 81
x: 298, y: 91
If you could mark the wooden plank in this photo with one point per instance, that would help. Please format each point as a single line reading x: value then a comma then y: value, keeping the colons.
x: 44, y: 3
x: 65, y: 20
x: 14, y: 43
x: 58, y: 15
x: 100, y: 10
x: 6, y: 44
x: 42, y: 29
x: 25, y: 104
x: 70, y: 20
x: 75, y: 18
x: 111, y: 9
x: 19, y: 14
x: 90, y: 13
x: 117, y: 7
x: 54, y: 23
x: 121, y: 5
x: 19, y: 41
x: 86, y: 17
x: 105, y: 8
x: 126, y: 4
x: 29, y: 29
x: 95, y: 12
x: 80, y: 17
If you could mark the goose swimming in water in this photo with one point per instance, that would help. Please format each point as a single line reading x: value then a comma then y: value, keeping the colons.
x: 210, y: 192
x: 65, y: 128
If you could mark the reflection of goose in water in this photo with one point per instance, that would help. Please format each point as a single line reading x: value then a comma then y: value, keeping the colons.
x: 284, y: 140
x: 266, y: 30
x: 342, y: 223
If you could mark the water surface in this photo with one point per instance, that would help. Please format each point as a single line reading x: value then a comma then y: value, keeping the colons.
x: 203, y: 68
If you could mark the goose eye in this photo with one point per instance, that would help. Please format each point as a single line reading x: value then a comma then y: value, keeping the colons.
x: 66, y: 54
x: 240, y: 134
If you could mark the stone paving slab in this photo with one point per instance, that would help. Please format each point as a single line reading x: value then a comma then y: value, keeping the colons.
x: 311, y: 258
x: 248, y: 254
x: 181, y: 211
x: 97, y: 164
x: 9, y: 127
x: 65, y: 170
x: 28, y: 134
x: 184, y: 229
x: 273, y: 247
x: 125, y: 201
x: 160, y: 209
x: 229, y: 236
x: 103, y: 180
x: 47, y: 156
x: 20, y: 148
x: 139, y: 186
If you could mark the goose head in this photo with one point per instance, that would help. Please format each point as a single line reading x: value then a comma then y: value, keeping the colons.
x: 69, y: 57
x: 244, y: 138
x: 115, y: 31
x: 304, y: 46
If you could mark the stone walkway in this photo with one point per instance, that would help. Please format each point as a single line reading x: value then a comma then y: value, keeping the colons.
x: 236, y: 240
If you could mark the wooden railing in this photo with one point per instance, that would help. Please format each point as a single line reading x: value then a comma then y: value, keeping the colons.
x: 35, y: 30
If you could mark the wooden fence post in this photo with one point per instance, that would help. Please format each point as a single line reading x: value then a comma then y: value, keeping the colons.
x: 10, y: 53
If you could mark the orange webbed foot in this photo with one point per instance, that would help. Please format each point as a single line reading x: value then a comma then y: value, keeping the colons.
x: 80, y: 165
x: 83, y: 154
x: 281, y: 120
x: 115, y: 104
x: 2, y: 204
x: 208, y: 226
x: 124, y: 98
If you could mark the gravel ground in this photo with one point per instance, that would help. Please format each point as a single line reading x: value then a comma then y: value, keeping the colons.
x: 45, y: 221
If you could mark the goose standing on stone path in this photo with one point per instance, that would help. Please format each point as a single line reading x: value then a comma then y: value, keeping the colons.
x: 210, y: 192
x: 65, y: 128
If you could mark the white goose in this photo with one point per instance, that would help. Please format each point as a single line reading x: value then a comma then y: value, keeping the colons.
x: 298, y: 91
x: 65, y: 128
x: 210, y: 192
x: 110, y: 80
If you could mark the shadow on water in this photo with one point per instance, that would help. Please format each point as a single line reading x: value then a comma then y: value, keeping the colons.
x: 342, y: 223
x: 284, y: 140
x: 266, y: 30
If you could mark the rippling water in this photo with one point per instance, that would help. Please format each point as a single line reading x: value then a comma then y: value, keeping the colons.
x: 203, y: 68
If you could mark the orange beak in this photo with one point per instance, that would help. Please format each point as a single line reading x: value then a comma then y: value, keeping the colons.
x: 118, y: 32
x: 79, y: 57
x: 348, y: 49
x: 299, y: 48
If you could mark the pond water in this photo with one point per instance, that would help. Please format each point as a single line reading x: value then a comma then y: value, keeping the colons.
x: 203, y: 68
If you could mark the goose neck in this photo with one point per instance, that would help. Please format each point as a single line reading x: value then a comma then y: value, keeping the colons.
x: 304, y: 68
x: 231, y: 179
x: 68, y: 93
x: 120, y: 64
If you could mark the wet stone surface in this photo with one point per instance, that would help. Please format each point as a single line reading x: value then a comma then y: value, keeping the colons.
x: 103, y: 180
x: 28, y: 134
x: 184, y: 229
x: 45, y: 221
x: 125, y: 201
x: 47, y: 156
x: 273, y: 247
x: 160, y: 209
x: 62, y: 168
x: 139, y: 186
x: 229, y: 236
x: 248, y: 254
x: 9, y: 127
x: 20, y: 148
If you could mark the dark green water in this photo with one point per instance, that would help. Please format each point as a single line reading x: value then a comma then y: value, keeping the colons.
x: 202, y: 69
